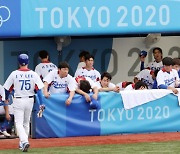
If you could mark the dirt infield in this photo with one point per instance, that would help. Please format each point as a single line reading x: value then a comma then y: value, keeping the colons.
x: 92, y: 140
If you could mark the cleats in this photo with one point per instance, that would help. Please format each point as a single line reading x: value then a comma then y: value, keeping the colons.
x: 25, y: 147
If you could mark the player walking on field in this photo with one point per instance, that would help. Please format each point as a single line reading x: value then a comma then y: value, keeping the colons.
x: 24, y: 81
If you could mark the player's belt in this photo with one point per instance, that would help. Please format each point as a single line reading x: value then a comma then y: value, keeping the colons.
x: 25, y: 97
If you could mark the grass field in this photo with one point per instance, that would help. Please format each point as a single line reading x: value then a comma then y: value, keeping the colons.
x: 136, y: 148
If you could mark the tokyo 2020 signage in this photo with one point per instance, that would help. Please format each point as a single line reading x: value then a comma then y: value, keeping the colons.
x: 90, y: 17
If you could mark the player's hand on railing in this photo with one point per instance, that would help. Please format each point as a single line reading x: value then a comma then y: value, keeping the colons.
x: 68, y: 101
x: 116, y: 89
x: 175, y: 91
x: 46, y: 94
x: 95, y: 96
x: 87, y: 97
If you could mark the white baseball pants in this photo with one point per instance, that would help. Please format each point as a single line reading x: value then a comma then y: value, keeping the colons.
x: 22, y: 113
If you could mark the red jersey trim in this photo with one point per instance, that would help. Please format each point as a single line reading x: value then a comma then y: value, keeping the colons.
x: 46, y: 61
x: 163, y: 69
x: 80, y: 77
x: 88, y: 70
x: 24, y: 69
x: 133, y: 85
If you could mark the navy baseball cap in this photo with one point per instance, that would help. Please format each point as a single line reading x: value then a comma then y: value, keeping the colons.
x: 143, y: 53
x: 23, y: 59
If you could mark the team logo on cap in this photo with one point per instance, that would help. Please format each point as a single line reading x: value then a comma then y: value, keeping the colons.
x: 4, y: 17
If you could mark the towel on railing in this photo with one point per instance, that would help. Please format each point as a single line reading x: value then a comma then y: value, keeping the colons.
x: 133, y: 98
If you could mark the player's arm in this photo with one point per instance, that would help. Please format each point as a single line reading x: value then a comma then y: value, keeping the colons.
x: 77, y: 73
x: 142, y: 60
x: 142, y: 66
x: 2, y: 93
x: 8, y: 85
x: 6, y: 108
x: 37, y: 70
x: 111, y: 87
x: 139, y: 76
x: 163, y: 86
x: 105, y: 89
x: 47, y: 80
x: 45, y: 89
x: 95, y: 91
x: 161, y: 83
x: 72, y: 87
x: 115, y: 89
x: 69, y: 100
x: 98, y: 76
x: 87, y: 97
x: 175, y: 91
x: 142, y: 56
x: 177, y: 81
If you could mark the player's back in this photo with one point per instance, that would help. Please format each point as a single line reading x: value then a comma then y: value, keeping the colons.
x: 42, y: 69
x: 23, y: 82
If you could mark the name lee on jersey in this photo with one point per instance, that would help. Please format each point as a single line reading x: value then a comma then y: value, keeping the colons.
x: 24, y: 76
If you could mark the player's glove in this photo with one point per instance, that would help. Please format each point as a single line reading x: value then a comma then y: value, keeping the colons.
x: 41, y: 110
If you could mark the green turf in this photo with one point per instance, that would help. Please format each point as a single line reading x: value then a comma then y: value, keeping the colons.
x: 136, y: 148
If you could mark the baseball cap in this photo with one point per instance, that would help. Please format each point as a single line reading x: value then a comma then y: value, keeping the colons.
x: 143, y: 53
x: 23, y: 59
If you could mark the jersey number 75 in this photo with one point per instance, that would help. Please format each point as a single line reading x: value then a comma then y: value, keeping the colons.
x: 25, y: 84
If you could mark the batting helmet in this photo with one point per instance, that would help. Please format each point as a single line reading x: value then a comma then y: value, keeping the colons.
x: 23, y: 59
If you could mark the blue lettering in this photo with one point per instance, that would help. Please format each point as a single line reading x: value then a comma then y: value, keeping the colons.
x: 59, y: 85
x: 169, y: 81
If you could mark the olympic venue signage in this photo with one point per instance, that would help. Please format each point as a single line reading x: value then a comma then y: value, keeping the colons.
x: 58, y: 120
x: 90, y: 17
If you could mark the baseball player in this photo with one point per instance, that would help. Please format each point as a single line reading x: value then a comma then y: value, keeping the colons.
x: 24, y: 81
x: 88, y: 70
x: 167, y: 78
x: 83, y: 86
x: 123, y: 85
x: 59, y: 81
x: 43, y: 68
x: 82, y: 59
x: 147, y: 76
x: 4, y: 110
x: 105, y: 83
x: 176, y: 65
x: 157, y: 63
x: 139, y: 85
